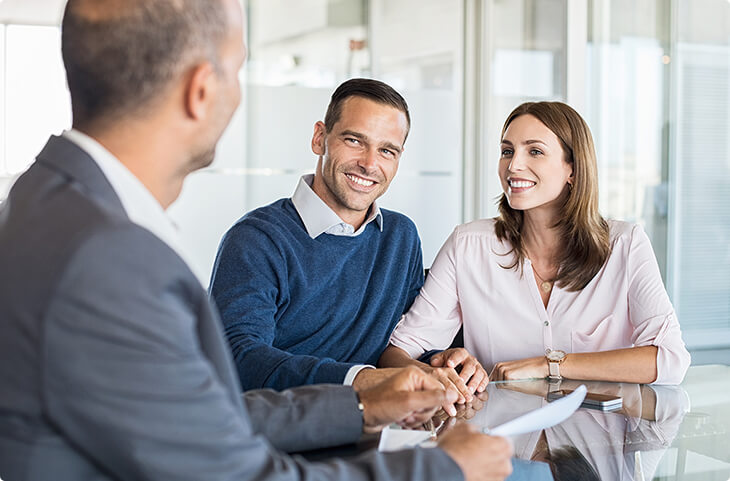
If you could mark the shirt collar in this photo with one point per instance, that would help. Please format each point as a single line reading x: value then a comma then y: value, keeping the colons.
x: 140, y: 205
x: 317, y: 216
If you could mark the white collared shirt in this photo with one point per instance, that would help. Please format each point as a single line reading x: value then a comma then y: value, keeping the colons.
x: 319, y: 219
x: 138, y: 202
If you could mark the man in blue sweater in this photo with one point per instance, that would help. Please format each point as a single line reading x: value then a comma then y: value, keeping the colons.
x: 310, y: 287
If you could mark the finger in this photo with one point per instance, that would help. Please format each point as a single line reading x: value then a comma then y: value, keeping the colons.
x: 468, y: 368
x: 443, y: 376
x: 422, y: 401
x: 419, y: 419
x: 437, y: 360
x: 476, y: 379
x: 449, y: 409
x: 452, y: 396
x: 456, y: 357
x: 459, y: 383
x: 483, y: 385
x: 427, y: 382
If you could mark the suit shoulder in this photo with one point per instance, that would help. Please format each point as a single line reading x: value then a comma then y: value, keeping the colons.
x: 130, y: 257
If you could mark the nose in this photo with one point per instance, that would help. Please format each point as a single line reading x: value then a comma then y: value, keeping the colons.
x: 518, y: 162
x: 369, y: 160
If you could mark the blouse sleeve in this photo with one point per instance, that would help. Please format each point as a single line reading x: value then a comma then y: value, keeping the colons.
x: 651, y: 312
x: 435, y: 317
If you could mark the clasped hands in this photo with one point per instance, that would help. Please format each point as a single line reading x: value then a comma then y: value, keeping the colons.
x: 460, y: 374
x: 472, y: 379
x: 411, y: 397
x: 440, y: 381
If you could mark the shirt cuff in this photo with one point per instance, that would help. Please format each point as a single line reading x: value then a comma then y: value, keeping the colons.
x: 354, y: 371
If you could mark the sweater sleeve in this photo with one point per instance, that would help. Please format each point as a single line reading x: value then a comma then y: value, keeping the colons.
x: 250, y: 286
x: 416, y: 277
x: 650, y: 310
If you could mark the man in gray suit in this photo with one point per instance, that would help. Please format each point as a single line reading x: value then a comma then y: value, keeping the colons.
x: 112, y: 362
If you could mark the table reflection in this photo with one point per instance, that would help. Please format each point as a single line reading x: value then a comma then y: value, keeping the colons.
x: 625, y: 444
x: 661, y: 432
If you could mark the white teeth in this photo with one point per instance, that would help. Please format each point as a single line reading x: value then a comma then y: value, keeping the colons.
x: 358, y: 180
x: 519, y: 184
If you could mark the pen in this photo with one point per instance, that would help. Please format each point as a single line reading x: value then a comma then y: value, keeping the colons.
x: 432, y: 428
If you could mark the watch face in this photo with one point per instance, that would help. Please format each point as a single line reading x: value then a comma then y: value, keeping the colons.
x: 555, y: 355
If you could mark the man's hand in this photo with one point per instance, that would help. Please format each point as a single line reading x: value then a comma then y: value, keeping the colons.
x: 480, y: 457
x: 472, y: 377
x: 370, y: 377
x: 410, y: 397
x: 530, y: 368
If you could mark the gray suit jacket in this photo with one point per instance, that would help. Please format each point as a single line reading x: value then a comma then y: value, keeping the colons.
x: 112, y: 362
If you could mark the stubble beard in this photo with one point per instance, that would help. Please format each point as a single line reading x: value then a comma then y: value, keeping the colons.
x: 349, y: 198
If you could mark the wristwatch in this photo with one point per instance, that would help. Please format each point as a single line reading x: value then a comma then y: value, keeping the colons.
x: 554, y: 359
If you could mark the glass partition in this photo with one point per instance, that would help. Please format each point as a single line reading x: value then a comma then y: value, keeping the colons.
x: 525, y: 53
x: 651, y: 77
x: 299, y: 51
x: 699, y: 208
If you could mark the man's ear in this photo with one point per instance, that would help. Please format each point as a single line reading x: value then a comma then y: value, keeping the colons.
x: 200, y: 91
x: 318, y: 138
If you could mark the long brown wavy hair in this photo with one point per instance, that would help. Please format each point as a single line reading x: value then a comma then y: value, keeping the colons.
x: 582, y: 231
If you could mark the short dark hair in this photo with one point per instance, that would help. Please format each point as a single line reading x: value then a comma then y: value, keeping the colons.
x: 370, y: 89
x: 120, y: 54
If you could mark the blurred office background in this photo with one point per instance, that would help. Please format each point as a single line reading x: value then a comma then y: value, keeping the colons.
x: 652, y: 78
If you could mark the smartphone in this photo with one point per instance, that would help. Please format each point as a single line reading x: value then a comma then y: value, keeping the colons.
x: 593, y: 400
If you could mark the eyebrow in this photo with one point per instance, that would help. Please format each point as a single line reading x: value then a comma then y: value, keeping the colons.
x: 357, y: 135
x: 526, y: 142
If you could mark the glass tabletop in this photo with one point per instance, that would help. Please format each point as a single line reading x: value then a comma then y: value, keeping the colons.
x: 660, y: 432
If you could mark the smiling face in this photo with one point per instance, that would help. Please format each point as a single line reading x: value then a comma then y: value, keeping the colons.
x: 358, y: 158
x: 532, y: 166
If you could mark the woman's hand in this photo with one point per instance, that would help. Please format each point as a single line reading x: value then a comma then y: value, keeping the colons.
x: 473, y: 375
x: 530, y: 368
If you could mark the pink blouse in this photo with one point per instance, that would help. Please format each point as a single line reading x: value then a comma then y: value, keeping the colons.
x: 504, y: 319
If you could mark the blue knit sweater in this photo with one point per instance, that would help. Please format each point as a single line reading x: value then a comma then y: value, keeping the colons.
x: 298, y: 310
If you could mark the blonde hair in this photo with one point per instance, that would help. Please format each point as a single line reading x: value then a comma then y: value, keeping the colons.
x: 583, y: 232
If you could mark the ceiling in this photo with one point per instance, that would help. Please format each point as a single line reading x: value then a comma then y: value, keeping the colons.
x: 32, y: 12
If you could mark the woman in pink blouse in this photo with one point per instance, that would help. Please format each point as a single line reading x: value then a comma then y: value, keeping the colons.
x: 548, y: 288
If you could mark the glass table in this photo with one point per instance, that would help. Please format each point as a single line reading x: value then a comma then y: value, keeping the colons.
x: 660, y: 432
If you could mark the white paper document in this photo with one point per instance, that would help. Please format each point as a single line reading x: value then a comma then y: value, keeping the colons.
x: 545, y: 417
x: 393, y: 439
